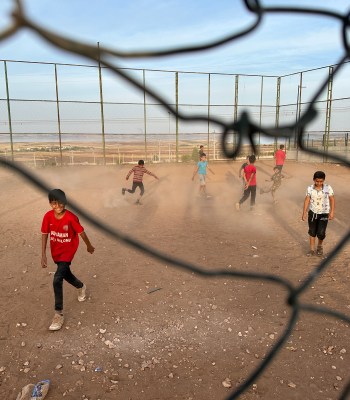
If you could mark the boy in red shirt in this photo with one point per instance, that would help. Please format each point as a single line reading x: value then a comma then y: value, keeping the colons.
x: 64, y: 229
x: 250, y: 184
x: 280, y: 156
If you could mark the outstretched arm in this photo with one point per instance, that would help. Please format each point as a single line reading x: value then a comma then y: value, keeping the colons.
x: 129, y: 173
x: 151, y: 173
x: 89, y: 247
x: 155, y: 176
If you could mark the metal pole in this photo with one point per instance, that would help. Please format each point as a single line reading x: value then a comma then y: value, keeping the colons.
x: 328, y: 114
x: 260, y: 114
x: 300, y: 87
x: 9, y: 109
x: 235, y: 110
x: 177, y: 117
x: 144, y: 113
x: 58, y: 116
x: 208, y: 139
x: 101, y: 104
x: 277, y: 118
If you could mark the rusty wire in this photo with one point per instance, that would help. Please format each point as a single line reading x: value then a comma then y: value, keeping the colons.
x: 243, y: 128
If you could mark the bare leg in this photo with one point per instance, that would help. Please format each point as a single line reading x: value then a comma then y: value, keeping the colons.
x: 312, y: 246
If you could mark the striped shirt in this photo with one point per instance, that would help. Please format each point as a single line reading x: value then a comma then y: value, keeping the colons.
x: 138, y: 171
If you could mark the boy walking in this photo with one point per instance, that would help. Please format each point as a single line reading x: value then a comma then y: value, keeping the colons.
x: 250, y: 184
x: 64, y: 229
x: 138, y: 170
x: 280, y: 157
x: 202, y: 166
x: 318, y: 209
x: 276, y: 179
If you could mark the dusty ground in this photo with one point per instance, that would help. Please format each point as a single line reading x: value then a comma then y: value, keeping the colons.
x: 130, y: 341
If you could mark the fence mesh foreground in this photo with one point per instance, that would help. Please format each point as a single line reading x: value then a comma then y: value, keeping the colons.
x: 243, y: 130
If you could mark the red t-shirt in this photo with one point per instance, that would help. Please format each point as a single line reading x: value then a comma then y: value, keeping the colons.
x: 280, y: 156
x: 64, y: 235
x: 249, y: 170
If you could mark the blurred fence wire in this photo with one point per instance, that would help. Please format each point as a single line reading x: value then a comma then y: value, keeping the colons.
x: 244, y: 129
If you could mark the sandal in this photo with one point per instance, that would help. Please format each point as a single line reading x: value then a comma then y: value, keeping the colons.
x: 319, y: 250
x: 311, y: 253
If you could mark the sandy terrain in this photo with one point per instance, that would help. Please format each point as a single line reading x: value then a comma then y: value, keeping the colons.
x: 151, y: 331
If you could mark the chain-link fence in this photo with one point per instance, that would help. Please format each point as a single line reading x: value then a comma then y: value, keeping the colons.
x: 66, y: 114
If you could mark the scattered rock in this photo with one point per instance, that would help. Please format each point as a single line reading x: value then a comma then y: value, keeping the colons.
x: 227, y: 383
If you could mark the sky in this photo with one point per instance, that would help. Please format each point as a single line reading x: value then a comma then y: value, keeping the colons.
x: 282, y: 44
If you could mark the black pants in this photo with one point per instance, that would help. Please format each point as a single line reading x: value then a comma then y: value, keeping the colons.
x: 63, y: 272
x: 135, y: 185
x: 251, y: 190
x: 317, y: 225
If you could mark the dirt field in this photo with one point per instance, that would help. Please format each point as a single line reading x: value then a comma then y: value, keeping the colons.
x: 151, y: 331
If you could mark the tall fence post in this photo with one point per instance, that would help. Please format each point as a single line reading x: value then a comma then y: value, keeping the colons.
x: 9, y: 109
x: 144, y: 112
x: 177, y: 117
x: 260, y: 113
x: 297, y: 116
x: 58, y: 115
x: 101, y: 105
x: 235, y: 109
x: 328, y: 114
x: 277, y: 117
x: 208, y: 139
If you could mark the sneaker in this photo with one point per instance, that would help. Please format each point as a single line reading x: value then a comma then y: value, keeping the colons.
x: 123, y: 191
x: 82, y: 293
x: 138, y: 202
x: 311, y: 253
x: 238, y: 206
x: 319, y: 251
x: 57, y: 322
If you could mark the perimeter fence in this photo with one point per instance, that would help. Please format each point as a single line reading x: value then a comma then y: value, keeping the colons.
x: 68, y: 114
x: 236, y: 130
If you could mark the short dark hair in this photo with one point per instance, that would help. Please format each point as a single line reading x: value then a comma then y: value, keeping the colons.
x: 201, y: 146
x: 319, y: 175
x: 282, y: 146
x: 57, y: 195
x: 141, y: 162
x: 203, y: 155
x: 252, y: 159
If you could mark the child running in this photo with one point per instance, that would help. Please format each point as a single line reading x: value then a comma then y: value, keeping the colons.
x: 250, y: 184
x: 276, y: 179
x: 202, y: 166
x: 318, y: 209
x: 64, y: 229
x: 138, y: 170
